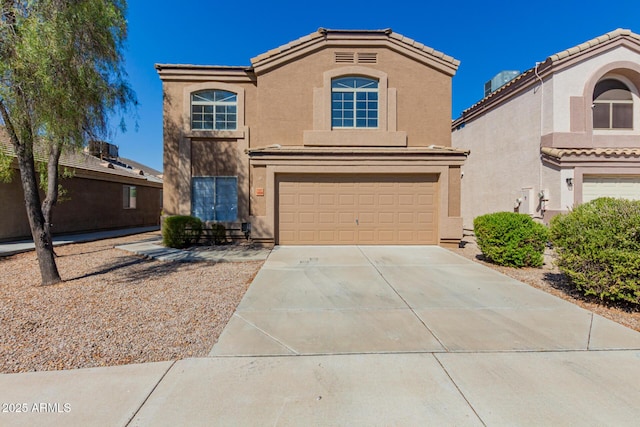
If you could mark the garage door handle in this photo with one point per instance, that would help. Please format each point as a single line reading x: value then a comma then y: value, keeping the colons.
x: 357, y: 223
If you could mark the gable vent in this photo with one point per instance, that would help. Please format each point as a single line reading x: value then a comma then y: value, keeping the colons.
x: 345, y: 57
x: 367, y: 58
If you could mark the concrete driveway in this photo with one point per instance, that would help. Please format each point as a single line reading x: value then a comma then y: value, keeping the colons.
x: 406, y: 336
x: 402, y: 299
x: 403, y: 336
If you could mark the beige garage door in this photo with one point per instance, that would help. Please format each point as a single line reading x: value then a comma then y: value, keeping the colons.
x: 625, y: 187
x: 353, y: 209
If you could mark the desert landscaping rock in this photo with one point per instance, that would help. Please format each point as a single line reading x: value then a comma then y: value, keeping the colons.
x: 113, y: 308
x: 551, y: 280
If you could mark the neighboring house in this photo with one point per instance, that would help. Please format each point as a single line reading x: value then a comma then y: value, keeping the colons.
x: 562, y: 133
x: 339, y: 137
x: 103, y: 194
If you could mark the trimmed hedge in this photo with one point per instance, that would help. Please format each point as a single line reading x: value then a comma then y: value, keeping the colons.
x: 180, y: 231
x: 511, y: 239
x: 598, y: 248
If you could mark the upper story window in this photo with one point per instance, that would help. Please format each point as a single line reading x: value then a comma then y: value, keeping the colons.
x: 214, y: 110
x: 354, y: 103
x: 612, y: 105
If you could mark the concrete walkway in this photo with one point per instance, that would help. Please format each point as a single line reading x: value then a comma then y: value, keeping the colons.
x: 367, y: 336
x: 15, y: 247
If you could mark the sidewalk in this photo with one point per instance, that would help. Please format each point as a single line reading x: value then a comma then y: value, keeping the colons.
x: 11, y: 248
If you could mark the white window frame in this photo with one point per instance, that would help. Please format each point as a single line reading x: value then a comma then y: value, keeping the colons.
x: 355, y: 91
x: 635, y: 99
x: 226, y: 107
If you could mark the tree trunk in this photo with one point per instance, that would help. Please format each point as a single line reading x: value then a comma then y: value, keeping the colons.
x: 51, y: 198
x: 41, y: 239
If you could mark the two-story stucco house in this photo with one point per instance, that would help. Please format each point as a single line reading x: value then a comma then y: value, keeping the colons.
x: 339, y: 137
x: 562, y: 133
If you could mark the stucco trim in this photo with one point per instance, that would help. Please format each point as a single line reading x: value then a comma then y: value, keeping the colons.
x: 345, y: 38
x: 615, y: 70
x: 186, y: 104
x: 353, y: 70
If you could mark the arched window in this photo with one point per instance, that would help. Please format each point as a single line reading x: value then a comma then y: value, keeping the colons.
x: 612, y: 105
x: 214, y: 110
x: 354, y: 103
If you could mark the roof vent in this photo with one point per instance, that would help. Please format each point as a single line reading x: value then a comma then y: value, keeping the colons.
x: 345, y: 57
x: 367, y: 58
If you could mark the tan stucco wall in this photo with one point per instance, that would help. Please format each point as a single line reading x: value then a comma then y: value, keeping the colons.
x: 89, y: 205
x: 285, y: 98
x: 284, y: 105
x: 188, y: 153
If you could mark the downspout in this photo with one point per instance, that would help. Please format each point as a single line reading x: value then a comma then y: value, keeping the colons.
x: 542, y: 197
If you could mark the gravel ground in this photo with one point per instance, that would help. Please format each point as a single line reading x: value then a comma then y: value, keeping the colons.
x: 549, y: 279
x: 114, y: 308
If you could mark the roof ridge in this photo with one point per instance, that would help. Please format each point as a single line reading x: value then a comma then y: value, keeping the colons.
x: 596, y: 41
x: 323, y: 33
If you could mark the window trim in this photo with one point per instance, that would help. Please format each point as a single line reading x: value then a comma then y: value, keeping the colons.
x: 628, y: 73
x: 129, y: 197
x: 355, y: 110
x: 240, y: 131
x: 386, y: 112
x: 214, y: 104
x: 610, y: 103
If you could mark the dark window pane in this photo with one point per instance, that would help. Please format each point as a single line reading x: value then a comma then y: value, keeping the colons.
x: 611, y: 89
x: 361, y: 123
x: 622, y: 116
x: 601, y: 116
x: 372, y: 123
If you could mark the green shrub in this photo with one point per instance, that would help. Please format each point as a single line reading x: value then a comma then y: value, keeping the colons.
x: 598, y: 248
x: 218, y: 234
x: 180, y: 231
x: 511, y: 239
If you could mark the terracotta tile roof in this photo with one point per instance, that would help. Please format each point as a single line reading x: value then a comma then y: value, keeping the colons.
x: 322, y: 33
x: 620, y: 32
x: 530, y: 73
x: 597, y: 152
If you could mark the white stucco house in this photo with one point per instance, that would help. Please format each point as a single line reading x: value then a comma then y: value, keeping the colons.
x: 561, y: 133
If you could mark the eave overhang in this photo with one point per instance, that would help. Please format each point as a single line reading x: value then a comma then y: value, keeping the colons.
x: 188, y: 72
x: 585, y: 156
x: 431, y: 155
x: 354, y: 38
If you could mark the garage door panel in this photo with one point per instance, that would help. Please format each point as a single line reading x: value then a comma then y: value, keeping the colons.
x: 625, y: 187
x: 353, y: 209
x: 307, y: 218
x: 327, y: 218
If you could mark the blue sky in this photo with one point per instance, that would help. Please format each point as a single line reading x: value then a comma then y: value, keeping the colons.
x: 487, y: 37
